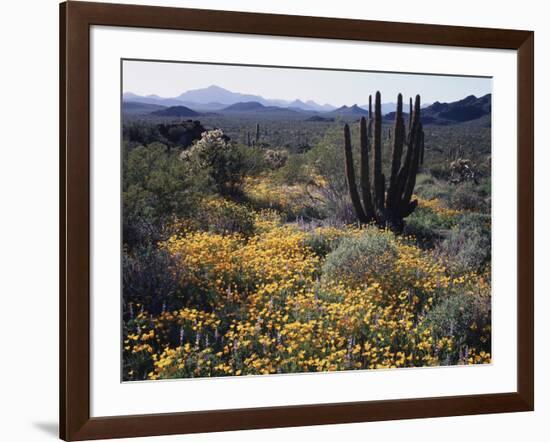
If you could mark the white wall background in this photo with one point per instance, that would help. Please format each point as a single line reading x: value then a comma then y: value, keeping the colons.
x: 29, y: 206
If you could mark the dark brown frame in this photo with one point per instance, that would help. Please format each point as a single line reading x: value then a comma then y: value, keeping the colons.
x: 75, y: 21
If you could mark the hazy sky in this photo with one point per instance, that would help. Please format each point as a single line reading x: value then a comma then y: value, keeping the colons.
x: 322, y: 86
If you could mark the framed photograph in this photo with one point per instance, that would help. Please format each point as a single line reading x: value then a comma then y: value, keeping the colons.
x: 275, y: 220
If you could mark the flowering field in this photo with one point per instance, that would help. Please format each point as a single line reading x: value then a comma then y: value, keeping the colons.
x: 254, y: 259
x: 269, y: 309
x: 281, y: 300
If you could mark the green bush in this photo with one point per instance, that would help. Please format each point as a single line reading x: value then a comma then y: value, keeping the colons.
x: 464, y: 316
x: 294, y: 170
x: 156, y: 186
x: 141, y: 133
x: 468, y: 245
x: 222, y: 160
x: 427, y: 226
x: 223, y: 216
x: 275, y: 159
x: 149, y: 279
x: 424, y: 179
x: 253, y: 160
x: 357, y: 259
x: 430, y: 189
x: 321, y: 244
x: 326, y: 160
x: 423, y: 229
x: 469, y: 196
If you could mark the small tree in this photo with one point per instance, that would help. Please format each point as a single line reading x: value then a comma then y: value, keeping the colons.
x: 156, y: 187
x: 222, y: 159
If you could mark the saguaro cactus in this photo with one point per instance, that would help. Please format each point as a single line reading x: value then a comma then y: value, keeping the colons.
x: 386, y: 208
x: 257, y: 133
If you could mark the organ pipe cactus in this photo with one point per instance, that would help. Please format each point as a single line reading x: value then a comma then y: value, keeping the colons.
x: 386, y: 208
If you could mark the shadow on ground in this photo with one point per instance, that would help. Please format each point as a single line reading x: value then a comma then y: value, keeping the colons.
x: 50, y: 428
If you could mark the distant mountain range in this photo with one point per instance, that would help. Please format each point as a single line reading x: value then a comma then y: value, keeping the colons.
x: 311, y: 106
x: 214, y: 98
x: 467, y: 109
x: 217, y: 100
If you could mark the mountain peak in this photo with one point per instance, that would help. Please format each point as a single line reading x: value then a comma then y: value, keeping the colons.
x: 354, y: 109
x: 214, y: 87
x: 245, y: 106
x: 129, y: 95
x: 176, y: 111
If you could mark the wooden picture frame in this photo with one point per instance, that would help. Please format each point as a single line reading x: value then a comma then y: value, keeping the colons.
x: 75, y: 21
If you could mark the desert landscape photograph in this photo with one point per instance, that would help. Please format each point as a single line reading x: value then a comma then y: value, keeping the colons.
x: 281, y: 220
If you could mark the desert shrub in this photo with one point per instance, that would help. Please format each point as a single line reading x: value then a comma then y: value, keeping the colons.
x: 253, y: 160
x: 224, y: 216
x: 468, y: 245
x: 358, y: 259
x: 423, y: 229
x: 275, y: 159
x: 149, y: 279
x: 224, y: 161
x: 485, y: 186
x: 476, y: 221
x: 326, y: 160
x: 182, y: 133
x: 321, y: 243
x: 423, y: 179
x: 141, y: 133
x: 140, y: 230
x: 439, y: 171
x: 430, y: 189
x: 427, y: 223
x: 156, y: 187
x: 464, y: 316
x: 468, y: 196
x: 337, y: 208
x: 294, y: 170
